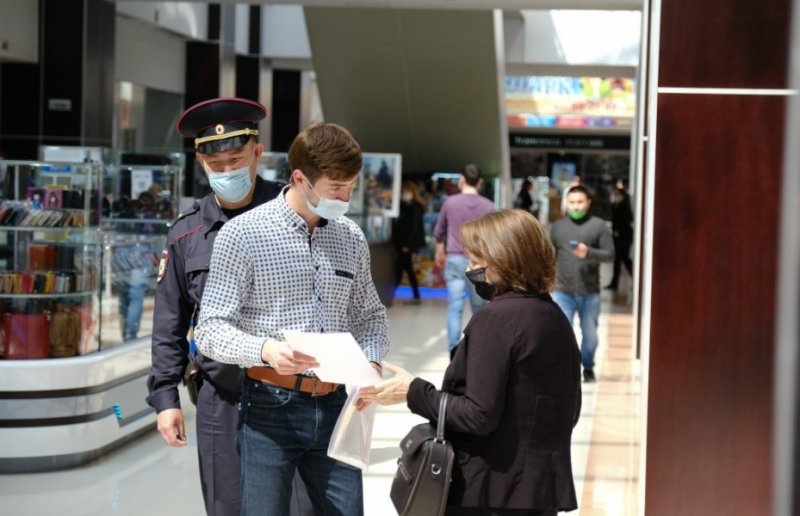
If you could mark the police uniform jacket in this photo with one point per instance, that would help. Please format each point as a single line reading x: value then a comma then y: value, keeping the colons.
x: 187, y: 256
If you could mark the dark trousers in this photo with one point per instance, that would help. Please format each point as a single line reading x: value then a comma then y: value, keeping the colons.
x: 217, y: 419
x: 622, y: 248
x: 405, y: 263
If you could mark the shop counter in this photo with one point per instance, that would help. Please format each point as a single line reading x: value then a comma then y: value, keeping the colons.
x: 60, y: 413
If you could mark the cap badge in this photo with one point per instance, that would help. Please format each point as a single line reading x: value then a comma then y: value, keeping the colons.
x: 219, y: 129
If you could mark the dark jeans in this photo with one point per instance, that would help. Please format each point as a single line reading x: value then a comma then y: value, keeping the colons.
x: 217, y: 417
x: 282, y: 431
x: 622, y: 248
x: 131, y: 303
x: 405, y: 263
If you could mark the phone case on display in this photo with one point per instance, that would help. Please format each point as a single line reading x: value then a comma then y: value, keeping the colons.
x: 65, y: 332
x: 87, y: 319
x: 41, y: 257
x: 26, y: 336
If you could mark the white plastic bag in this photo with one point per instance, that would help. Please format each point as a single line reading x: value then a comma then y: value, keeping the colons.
x: 352, y: 435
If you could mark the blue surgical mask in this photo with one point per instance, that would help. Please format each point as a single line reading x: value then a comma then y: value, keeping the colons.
x: 232, y: 186
x: 326, y: 208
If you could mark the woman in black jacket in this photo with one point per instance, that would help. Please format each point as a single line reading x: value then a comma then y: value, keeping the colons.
x: 514, y: 380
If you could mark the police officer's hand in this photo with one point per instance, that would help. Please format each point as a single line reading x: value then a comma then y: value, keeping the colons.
x: 284, y: 359
x: 170, y: 426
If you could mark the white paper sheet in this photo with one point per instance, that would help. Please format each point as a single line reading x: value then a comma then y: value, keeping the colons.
x: 340, y: 358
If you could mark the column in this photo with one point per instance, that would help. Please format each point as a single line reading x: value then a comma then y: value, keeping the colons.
x: 718, y: 98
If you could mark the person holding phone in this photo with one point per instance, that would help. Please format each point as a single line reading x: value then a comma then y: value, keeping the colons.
x: 582, y: 243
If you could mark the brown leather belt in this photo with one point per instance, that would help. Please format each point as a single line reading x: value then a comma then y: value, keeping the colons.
x: 308, y: 384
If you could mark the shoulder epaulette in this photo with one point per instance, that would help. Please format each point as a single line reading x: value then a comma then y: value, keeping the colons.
x: 191, y: 211
x: 187, y: 233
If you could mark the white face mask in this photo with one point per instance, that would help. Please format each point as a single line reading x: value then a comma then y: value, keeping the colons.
x: 231, y: 186
x: 326, y: 208
x: 408, y: 197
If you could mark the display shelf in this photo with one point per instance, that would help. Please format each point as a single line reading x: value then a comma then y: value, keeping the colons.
x: 66, y: 395
x: 66, y: 295
x: 69, y: 391
x: 49, y: 288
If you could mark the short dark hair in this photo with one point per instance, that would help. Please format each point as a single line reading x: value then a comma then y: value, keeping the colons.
x: 579, y: 189
x: 325, y: 149
x: 472, y: 174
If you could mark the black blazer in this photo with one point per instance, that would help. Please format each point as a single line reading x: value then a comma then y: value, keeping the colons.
x: 516, y: 381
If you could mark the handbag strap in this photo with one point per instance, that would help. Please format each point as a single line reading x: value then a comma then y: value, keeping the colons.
x: 442, y: 417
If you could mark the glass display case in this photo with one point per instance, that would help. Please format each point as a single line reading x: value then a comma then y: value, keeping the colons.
x: 141, y: 192
x: 131, y: 254
x: 139, y: 204
x: 274, y: 166
x: 49, y: 263
x: 73, y: 285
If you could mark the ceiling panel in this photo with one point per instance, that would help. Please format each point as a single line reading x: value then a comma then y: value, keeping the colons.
x: 422, y: 83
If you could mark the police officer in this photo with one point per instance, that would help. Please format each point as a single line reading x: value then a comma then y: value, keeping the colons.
x: 225, y: 132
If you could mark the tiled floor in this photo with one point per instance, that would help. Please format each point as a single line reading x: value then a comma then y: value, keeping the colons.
x: 148, y: 478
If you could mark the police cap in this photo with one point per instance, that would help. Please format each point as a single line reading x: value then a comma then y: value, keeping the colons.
x: 221, y: 124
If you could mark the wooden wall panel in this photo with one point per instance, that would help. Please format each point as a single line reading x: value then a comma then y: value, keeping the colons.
x: 709, y: 428
x: 724, y: 43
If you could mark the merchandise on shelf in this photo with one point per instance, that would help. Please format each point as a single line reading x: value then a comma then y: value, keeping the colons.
x: 49, y: 289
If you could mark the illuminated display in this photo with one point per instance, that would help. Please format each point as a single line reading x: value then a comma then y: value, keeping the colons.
x: 570, y: 102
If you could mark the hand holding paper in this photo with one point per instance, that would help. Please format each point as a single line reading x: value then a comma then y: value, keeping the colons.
x: 286, y: 360
x: 340, y: 358
x: 342, y: 361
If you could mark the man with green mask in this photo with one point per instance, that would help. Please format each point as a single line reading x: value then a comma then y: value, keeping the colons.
x: 582, y: 243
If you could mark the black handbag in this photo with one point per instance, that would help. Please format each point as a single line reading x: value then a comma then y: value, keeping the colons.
x: 424, y: 469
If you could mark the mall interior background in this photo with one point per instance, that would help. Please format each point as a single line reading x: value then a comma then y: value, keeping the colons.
x: 629, y: 89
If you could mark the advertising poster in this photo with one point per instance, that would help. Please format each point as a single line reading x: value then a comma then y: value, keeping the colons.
x: 570, y: 102
x: 382, y: 175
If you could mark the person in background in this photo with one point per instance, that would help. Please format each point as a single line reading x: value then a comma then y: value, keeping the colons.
x: 575, y: 181
x: 295, y: 263
x: 408, y: 235
x: 456, y: 210
x: 514, y: 382
x: 622, y: 228
x: 524, y: 201
x: 225, y: 132
x: 582, y: 243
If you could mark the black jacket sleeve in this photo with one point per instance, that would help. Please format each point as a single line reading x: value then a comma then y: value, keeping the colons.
x: 171, y: 319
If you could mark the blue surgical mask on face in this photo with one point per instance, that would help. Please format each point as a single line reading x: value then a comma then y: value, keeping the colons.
x: 231, y: 186
x: 326, y: 208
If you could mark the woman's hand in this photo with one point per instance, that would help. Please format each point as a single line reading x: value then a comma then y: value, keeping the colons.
x: 391, y: 391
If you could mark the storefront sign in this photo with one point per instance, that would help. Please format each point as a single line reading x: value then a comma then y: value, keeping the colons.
x: 569, y: 141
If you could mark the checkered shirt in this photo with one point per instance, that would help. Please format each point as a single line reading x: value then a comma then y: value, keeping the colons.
x: 269, y: 274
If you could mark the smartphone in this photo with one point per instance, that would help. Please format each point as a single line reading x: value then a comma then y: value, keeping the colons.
x: 573, y: 244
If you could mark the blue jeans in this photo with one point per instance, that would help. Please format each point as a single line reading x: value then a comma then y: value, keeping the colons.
x: 280, y: 431
x: 131, y: 302
x: 457, y: 285
x: 588, y: 308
